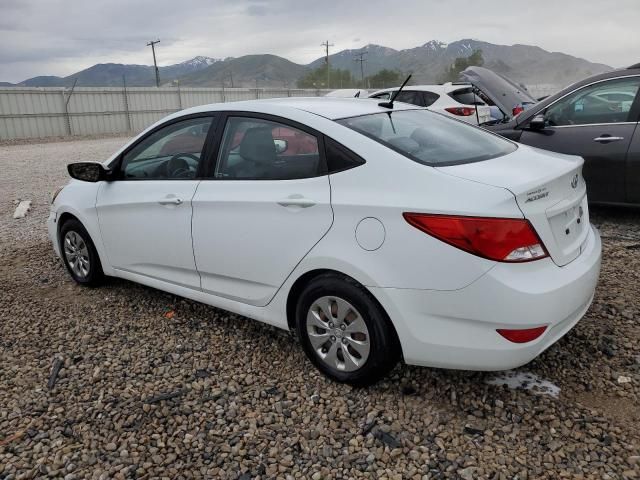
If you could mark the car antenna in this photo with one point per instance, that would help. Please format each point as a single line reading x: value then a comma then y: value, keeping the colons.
x: 389, y: 104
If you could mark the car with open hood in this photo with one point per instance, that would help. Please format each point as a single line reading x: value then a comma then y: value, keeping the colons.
x: 596, y: 119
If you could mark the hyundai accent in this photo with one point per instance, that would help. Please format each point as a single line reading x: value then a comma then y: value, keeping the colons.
x: 377, y: 232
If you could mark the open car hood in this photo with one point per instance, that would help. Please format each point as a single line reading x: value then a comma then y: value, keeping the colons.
x: 504, y: 93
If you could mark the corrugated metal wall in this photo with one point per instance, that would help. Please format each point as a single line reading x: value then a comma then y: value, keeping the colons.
x: 45, y: 112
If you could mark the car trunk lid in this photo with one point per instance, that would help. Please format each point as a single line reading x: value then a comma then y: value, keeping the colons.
x: 549, y: 190
x: 504, y: 93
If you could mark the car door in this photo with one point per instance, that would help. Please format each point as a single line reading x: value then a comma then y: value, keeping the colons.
x: 145, y: 214
x: 587, y: 123
x: 265, y: 205
x: 633, y: 165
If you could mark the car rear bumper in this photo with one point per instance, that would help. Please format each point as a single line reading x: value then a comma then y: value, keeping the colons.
x: 457, y: 328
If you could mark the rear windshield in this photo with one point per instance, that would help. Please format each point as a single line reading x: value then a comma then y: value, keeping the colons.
x: 430, y: 138
x: 466, y: 96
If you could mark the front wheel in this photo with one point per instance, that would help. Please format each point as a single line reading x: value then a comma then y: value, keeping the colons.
x: 79, y: 254
x: 344, y: 332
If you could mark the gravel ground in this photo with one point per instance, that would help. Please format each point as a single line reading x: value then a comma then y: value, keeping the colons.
x: 151, y: 385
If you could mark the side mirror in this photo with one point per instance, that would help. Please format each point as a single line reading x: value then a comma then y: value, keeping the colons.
x: 88, y: 171
x: 538, y: 122
x: 281, y: 145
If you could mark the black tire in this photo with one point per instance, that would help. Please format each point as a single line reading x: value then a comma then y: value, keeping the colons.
x: 94, y: 275
x: 384, y: 348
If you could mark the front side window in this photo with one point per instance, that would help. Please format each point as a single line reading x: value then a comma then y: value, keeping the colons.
x: 430, y: 138
x: 259, y: 149
x: 603, y: 102
x: 170, y: 153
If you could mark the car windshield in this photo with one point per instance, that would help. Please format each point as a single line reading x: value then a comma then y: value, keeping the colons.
x: 430, y: 138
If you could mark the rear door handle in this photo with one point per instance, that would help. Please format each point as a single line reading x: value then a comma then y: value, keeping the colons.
x: 606, y: 139
x: 170, y: 201
x: 296, y: 201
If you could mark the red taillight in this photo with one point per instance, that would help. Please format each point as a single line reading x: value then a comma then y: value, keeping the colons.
x: 462, y: 111
x: 521, y: 335
x: 517, y: 109
x: 500, y: 239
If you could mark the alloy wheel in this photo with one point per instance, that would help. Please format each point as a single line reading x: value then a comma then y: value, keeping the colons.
x: 338, y: 334
x: 77, y: 254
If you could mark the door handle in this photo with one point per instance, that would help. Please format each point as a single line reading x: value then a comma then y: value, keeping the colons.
x: 170, y: 201
x: 296, y: 201
x: 606, y: 139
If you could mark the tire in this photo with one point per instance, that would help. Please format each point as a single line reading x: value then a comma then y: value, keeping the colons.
x: 336, y: 318
x: 75, y: 243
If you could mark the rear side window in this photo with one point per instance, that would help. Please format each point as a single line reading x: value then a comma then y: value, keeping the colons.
x: 383, y: 96
x: 430, y: 138
x: 430, y: 98
x: 466, y: 97
x: 412, y: 97
x: 259, y: 149
x: 340, y: 158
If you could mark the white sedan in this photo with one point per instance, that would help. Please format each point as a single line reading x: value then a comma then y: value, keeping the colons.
x: 377, y: 233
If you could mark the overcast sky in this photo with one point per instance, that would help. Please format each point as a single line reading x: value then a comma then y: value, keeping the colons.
x: 59, y: 37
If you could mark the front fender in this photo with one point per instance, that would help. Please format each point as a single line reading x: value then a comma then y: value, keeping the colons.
x: 79, y: 200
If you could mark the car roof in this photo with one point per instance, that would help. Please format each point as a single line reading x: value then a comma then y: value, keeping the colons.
x: 443, y: 88
x: 332, y: 108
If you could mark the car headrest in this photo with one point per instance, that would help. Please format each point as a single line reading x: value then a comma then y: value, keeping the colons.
x: 422, y: 137
x: 257, y: 146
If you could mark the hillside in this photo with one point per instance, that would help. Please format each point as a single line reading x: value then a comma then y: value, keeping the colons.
x: 110, y: 74
x: 523, y: 63
x: 267, y: 70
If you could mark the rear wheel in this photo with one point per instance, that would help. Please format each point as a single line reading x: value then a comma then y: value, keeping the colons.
x: 344, y: 332
x: 79, y: 254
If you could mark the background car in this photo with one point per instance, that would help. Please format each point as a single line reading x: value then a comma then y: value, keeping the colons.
x: 456, y: 100
x: 385, y: 233
x: 597, y: 119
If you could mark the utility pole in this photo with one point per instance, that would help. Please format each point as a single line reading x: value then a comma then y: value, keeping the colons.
x: 360, y: 58
x: 231, y: 76
x: 152, y: 44
x: 326, y: 45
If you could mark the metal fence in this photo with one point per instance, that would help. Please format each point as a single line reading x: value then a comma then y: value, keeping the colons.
x: 46, y: 112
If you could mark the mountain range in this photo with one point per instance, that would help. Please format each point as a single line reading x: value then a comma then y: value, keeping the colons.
x: 525, y: 64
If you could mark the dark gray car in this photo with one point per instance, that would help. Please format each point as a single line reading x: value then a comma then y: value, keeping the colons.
x: 597, y: 119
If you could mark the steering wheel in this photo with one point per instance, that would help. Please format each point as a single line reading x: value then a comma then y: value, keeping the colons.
x: 178, y: 167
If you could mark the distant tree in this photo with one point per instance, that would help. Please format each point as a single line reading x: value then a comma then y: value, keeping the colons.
x: 384, y: 78
x: 452, y: 73
x: 317, y: 78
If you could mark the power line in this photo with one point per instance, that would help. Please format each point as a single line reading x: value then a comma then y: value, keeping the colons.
x: 326, y: 44
x: 152, y: 44
x: 360, y: 58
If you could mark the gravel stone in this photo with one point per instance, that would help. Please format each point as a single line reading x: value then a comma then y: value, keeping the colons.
x: 202, y: 393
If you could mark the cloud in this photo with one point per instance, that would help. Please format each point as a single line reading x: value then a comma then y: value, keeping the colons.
x: 59, y: 37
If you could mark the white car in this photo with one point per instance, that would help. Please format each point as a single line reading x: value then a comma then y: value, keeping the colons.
x: 376, y: 233
x: 456, y: 100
